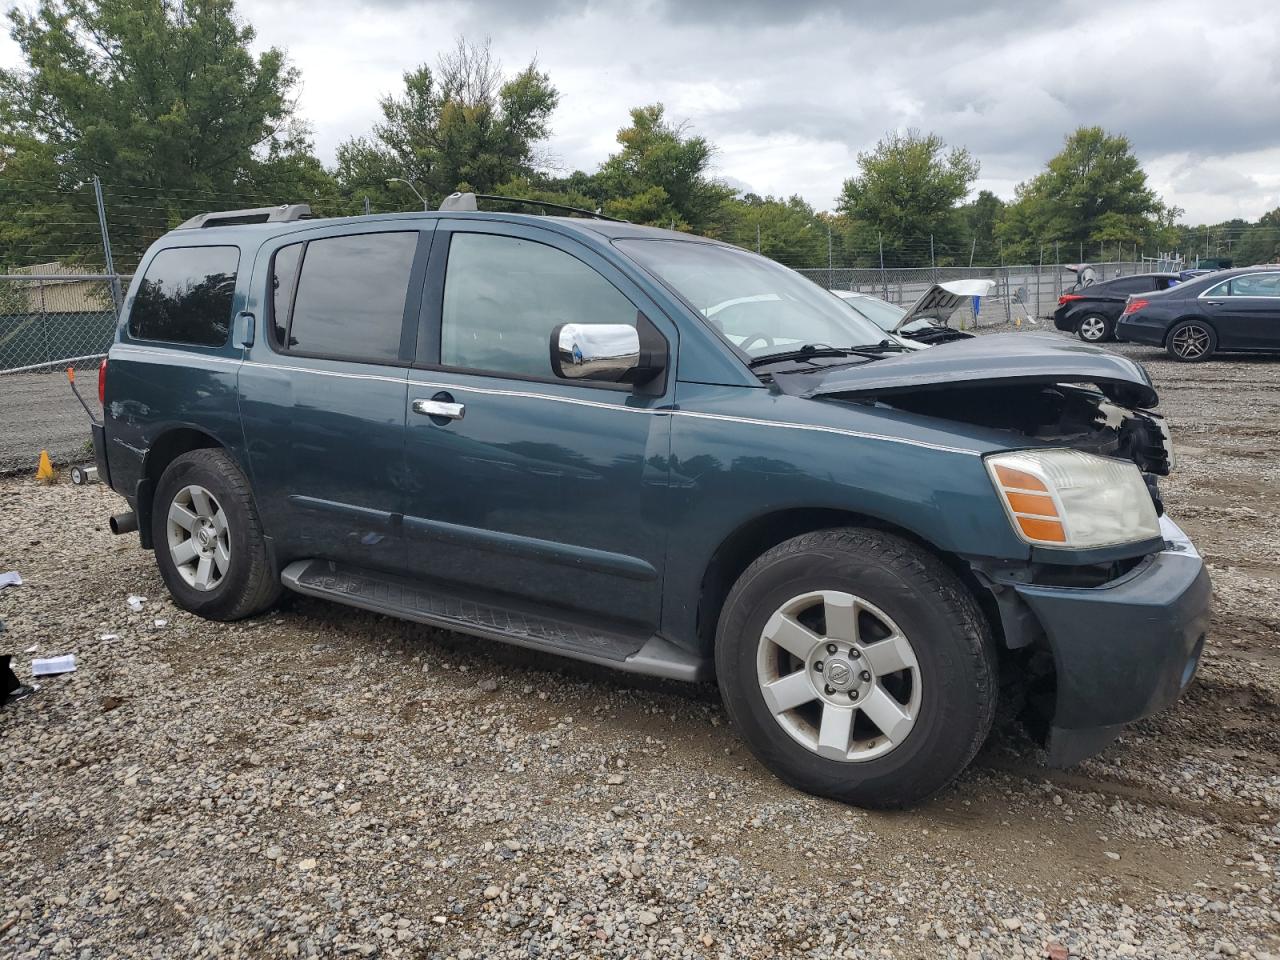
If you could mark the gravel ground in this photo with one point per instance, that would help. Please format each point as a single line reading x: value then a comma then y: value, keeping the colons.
x: 40, y: 412
x: 326, y: 782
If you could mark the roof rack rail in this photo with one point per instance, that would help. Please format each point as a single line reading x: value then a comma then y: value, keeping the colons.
x: 467, y: 201
x: 284, y: 213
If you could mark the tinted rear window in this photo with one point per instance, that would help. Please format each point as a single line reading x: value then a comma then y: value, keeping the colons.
x: 351, y: 296
x: 1128, y: 285
x: 185, y: 296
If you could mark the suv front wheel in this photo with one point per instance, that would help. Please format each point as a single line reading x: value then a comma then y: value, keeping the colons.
x: 857, y: 666
x: 208, y: 539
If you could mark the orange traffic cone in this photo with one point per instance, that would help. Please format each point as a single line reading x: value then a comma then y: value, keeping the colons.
x: 45, y: 472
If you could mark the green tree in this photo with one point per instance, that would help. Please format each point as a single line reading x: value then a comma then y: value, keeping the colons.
x: 979, y: 220
x: 660, y: 176
x: 166, y: 103
x: 461, y: 126
x: 1093, y: 191
x: 788, y: 231
x: 906, y: 191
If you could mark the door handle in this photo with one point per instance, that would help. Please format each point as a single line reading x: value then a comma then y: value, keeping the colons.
x: 1214, y: 303
x: 440, y: 408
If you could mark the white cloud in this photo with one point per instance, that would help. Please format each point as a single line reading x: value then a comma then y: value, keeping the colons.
x: 790, y: 93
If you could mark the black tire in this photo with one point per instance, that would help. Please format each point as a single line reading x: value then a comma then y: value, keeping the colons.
x: 1089, y: 324
x: 1191, y: 341
x: 952, y: 642
x: 251, y: 584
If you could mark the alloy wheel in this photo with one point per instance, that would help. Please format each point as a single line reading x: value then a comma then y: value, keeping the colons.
x: 198, y: 536
x: 1191, y: 342
x: 1093, y: 329
x: 839, y: 676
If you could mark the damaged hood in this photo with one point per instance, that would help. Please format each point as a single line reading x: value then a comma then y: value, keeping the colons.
x: 941, y: 300
x: 984, y: 362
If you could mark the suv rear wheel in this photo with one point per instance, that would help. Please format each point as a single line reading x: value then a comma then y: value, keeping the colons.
x: 857, y: 666
x: 208, y: 539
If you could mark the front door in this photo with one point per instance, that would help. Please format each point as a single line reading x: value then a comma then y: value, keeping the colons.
x: 322, y: 394
x: 1248, y: 316
x: 524, y: 486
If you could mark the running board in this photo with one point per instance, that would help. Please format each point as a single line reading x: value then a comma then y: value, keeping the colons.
x: 435, y: 605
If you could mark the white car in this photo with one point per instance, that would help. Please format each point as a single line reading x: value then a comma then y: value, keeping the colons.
x: 924, y: 323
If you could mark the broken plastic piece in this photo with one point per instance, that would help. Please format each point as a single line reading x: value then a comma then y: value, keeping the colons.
x: 32, y: 649
x: 135, y: 602
x: 107, y: 636
x: 161, y: 624
x: 10, y: 579
x: 51, y: 665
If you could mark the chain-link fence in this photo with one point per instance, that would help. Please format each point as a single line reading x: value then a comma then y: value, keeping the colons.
x: 51, y: 315
x: 1022, y: 292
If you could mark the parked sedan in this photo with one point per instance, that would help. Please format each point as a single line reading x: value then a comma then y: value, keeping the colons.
x: 1237, y: 310
x: 1091, y: 312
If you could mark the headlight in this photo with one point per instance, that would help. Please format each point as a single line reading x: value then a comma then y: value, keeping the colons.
x: 1066, y: 498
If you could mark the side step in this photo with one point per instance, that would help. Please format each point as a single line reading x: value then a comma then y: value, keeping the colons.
x: 435, y: 605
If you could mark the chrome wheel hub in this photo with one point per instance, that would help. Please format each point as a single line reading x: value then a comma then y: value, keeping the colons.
x: 198, y: 537
x: 839, y: 676
x: 1093, y: 328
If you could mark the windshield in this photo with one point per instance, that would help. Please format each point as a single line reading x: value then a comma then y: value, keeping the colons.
x: 884, y: 315
x: 757, y: 305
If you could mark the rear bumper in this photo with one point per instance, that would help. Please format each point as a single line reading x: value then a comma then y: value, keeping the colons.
x: 1135, y: 330
x: 1064, y: 321
x: 1125, y: 650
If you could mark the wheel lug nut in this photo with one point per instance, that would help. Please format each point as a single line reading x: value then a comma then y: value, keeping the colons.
x: 818, y: 667
x: 855, y: 653
x: 831, y: 648
x: 866, y: 675
x: 853, y: 694
x: 828, y: 690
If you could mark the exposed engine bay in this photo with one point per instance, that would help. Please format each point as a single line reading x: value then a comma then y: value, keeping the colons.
x: 1061, y: 414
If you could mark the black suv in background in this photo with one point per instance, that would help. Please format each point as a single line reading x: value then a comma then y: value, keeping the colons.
x: 1091, y: 312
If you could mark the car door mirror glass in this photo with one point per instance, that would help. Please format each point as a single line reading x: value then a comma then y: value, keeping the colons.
x: 595, y: 351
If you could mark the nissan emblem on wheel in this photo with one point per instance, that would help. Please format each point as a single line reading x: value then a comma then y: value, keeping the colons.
x: 673, y: 457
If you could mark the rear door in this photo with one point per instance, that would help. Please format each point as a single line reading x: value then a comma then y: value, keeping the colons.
x: 1246, y: 310
x: 322, y: 395
x: 539, y: 490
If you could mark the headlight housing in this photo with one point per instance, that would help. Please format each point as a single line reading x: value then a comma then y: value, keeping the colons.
x: 1073, y: 500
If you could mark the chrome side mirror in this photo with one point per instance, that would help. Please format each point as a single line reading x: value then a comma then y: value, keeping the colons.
x: 595, y: 351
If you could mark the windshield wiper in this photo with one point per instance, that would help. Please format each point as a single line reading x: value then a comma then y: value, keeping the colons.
x: 872, y: 351
x: 804, y: 353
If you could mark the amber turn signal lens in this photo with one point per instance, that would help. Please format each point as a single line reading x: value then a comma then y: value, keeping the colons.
x: 1040, y: 505
x: 1048, y: 531
x: 1019, y: 479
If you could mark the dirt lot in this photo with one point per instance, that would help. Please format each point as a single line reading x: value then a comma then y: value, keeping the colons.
x: 322, y: 781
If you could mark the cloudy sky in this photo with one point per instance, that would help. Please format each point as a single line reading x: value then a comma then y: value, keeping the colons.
x: 791, y: 90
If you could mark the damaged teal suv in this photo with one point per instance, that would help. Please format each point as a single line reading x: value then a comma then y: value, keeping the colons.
x: 664, y: 454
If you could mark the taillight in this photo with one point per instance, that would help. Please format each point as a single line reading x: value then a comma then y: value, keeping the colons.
x: 1068, y: 297
x: 102, y: 382
x: 1133, y: 306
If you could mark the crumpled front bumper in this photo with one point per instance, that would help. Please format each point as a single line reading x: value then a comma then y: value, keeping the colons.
x: 1124, y: 650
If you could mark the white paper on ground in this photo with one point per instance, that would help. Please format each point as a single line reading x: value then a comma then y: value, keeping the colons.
x: 10, y: 579
x: 32, y: 649
x: 135, y: 602
x: 106, y: 636
x: 52, y: 665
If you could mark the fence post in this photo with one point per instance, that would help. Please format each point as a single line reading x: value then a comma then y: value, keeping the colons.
x: 932, y: 259
x: 1039, y: 271
x: 884, y: 280
x: 1008, y: 307
x: 831, y: 273
x: 972, y: 249
x: 116, y: 297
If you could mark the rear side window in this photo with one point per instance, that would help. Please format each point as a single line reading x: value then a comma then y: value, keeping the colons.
x: 1129, y: 285
x: 185, y: 296
x: 1256, y: 285
x: 350, y: 297
x: 503, y: 296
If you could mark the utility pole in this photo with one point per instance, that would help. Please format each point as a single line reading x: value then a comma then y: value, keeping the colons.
x: 972, y: 248
x: 933, y: 260
x: 366, y: 206
x: 116, y: 296
x: 757, y: 238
